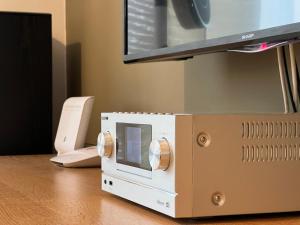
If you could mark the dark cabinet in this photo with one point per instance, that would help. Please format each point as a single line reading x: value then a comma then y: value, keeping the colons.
x: 25, y: 83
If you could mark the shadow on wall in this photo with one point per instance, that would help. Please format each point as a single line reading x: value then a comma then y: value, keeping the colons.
x: 74, y: 70
x: 58, y: 81
x: 64, y: 87
x: 233, y: 83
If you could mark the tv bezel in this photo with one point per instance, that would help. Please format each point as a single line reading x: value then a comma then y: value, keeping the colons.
x: 275, y: 34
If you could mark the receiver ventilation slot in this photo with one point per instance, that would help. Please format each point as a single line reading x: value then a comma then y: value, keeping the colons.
x: 270, y: 130
x: 270, y: 153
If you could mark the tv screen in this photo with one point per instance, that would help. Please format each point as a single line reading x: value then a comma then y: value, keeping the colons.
x: 168, y: 29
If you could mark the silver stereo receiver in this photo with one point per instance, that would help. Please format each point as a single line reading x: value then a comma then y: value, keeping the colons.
x: 203, y: 165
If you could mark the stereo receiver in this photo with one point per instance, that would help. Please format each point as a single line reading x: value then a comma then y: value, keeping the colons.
x: 186, y: 165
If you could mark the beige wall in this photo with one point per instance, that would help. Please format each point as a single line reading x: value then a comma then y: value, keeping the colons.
x: 233, y: 83
x: 94, y: 37
x: 57, y: 9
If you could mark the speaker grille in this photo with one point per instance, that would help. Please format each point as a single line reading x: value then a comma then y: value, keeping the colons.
x: 270, y: 130
x: 270, y: 153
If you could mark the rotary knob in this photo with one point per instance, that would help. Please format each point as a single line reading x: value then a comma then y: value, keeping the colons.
x: 159, y: 154
x: 105, y: 144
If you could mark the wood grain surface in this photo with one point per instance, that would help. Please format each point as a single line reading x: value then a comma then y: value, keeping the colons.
x: 35, y: 192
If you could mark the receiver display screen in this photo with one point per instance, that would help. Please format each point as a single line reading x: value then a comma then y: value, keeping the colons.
x: 133, y: 141
x: 133, y: 144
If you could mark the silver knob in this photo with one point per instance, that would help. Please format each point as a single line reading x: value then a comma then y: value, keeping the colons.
x: 105, y: 144
x: 159, y: 154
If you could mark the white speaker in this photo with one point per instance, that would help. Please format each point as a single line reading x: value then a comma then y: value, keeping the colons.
x: 71, y: 134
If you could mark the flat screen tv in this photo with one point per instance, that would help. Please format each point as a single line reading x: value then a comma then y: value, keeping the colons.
x: 175, y: 29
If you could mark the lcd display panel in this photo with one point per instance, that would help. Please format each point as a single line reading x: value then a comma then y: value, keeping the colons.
x: 133, y: 141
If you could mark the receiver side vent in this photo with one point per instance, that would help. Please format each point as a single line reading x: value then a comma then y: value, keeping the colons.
x: 255, y: 130
x: 270, y: 153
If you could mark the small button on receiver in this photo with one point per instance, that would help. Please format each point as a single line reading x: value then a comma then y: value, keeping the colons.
x: 110, y: 183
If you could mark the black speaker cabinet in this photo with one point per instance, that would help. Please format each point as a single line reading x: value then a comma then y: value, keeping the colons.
x: 25, y: 83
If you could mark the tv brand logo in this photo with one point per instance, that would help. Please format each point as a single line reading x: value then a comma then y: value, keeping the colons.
x: 247, y: 36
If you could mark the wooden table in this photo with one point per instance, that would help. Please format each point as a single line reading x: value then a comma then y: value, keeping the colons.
x: 34, y: 191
